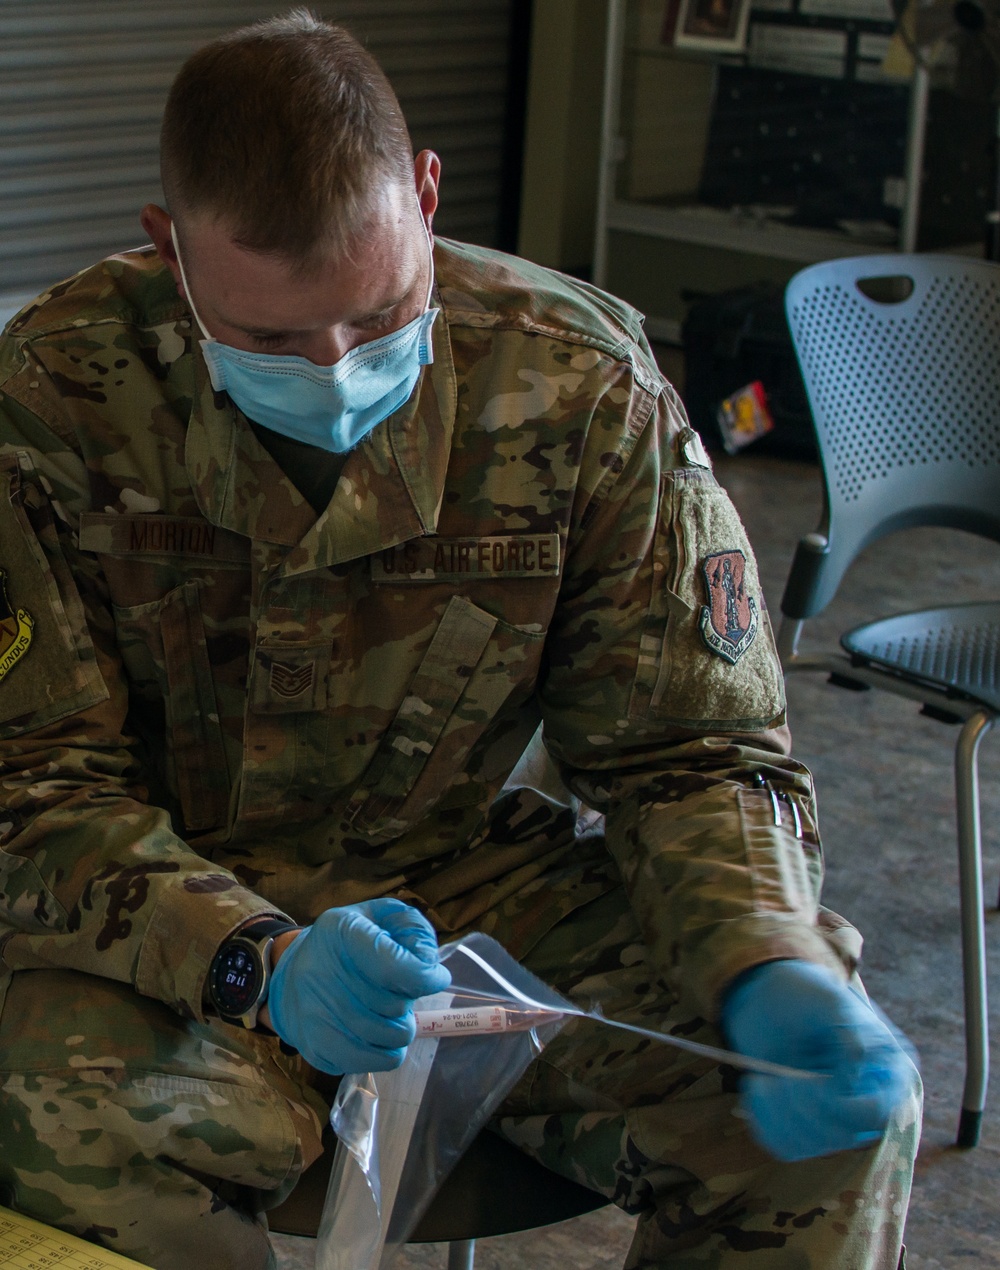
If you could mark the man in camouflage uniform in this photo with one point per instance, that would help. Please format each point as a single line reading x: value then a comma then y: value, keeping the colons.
x: 243, y: 677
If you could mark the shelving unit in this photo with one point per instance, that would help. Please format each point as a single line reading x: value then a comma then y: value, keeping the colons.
x: 656, y: 243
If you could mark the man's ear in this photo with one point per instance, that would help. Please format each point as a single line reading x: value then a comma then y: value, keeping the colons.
x: 156, y: 222
x: 427, y: 178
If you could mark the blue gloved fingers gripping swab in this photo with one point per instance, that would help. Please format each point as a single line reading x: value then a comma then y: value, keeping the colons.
x: 342, y: 991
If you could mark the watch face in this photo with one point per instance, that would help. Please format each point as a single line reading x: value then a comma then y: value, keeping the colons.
x: 236, y: 979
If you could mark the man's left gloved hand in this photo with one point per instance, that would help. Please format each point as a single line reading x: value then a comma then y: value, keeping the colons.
x: 342, y: 991
x: 799, y: 1014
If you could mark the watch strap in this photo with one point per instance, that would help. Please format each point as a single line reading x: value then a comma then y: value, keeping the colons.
x: 258, y: 928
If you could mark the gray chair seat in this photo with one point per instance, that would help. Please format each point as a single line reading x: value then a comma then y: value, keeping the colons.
x: 956, y: 649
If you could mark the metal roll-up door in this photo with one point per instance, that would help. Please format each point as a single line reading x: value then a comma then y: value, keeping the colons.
x: 82, y: 86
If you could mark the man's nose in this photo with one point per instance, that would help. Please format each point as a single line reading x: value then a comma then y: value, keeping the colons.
x: 327, y: 347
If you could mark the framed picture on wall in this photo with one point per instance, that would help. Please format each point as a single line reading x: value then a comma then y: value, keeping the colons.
x: 712, y: 24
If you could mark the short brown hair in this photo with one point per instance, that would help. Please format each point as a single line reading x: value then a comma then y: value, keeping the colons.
x: 288, y: 130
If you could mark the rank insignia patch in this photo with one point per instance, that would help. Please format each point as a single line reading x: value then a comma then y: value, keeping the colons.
x: 729, y: 620
x: 291, y: 681
x: 15, y: 631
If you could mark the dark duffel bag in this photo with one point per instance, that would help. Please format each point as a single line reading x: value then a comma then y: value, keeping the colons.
x: 732, y: 339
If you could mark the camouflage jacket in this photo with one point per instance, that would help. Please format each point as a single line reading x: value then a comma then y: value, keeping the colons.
x: 215, y: 703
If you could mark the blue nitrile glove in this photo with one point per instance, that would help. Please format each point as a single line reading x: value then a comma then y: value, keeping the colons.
x: 342, y: 992
x: 799, y: 1014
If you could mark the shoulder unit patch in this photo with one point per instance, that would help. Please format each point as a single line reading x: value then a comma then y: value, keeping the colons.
x: 729, y: 619
x: 15, y: 631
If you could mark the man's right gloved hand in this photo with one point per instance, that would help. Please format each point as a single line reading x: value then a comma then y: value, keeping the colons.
x: 801, y: 1014
x: 342, y: 992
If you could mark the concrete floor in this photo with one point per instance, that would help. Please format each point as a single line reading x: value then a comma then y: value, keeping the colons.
x: 884, y: 778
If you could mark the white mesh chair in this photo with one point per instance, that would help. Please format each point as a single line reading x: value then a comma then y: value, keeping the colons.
x: 900, y: 356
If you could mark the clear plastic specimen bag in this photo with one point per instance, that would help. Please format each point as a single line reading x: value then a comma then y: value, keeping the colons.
x: 401, y: 1132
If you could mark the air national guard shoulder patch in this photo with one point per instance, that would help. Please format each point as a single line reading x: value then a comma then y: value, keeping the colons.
x: 15, y: 631
x: 729, y: 620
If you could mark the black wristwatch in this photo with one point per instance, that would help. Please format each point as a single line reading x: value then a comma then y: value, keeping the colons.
x: 240, y: 973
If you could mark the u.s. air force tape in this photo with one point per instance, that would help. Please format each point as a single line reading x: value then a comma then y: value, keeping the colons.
x: 458, y: 559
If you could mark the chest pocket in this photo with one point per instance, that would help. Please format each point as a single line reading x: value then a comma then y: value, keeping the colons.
x: 165, y: 651
x: 475, y: 667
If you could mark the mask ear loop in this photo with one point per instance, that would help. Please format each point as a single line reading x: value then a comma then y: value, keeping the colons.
x: 187, y: 285
x: 430, y: 254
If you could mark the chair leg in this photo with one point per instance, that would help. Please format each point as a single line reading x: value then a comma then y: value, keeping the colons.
x: 461, y: 1254
x: 787, y: 640
x: 970, y: 872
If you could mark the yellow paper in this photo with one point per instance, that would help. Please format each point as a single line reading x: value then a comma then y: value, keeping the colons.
x: 28, y: 1245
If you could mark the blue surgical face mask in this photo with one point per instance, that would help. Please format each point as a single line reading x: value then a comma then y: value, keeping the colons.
x: 332, y: 407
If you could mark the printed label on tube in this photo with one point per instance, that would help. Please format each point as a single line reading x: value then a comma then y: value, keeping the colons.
x: 469, y: 1020
x: 481, y: 1018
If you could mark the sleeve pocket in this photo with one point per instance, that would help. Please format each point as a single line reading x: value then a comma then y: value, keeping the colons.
x: 786, y: 872
x: 689, y: 673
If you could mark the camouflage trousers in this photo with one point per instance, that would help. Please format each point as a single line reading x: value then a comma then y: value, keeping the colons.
x: 660, y: 1133
x: 150, y: 1134
x: 166, y: 1139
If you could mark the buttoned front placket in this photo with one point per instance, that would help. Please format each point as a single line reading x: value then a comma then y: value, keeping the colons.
x: 318, y: 694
